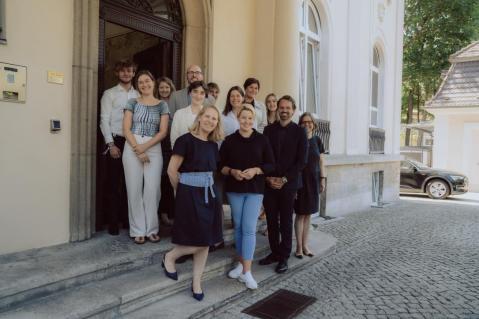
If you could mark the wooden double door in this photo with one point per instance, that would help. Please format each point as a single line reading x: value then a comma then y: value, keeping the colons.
x: 150, y: 34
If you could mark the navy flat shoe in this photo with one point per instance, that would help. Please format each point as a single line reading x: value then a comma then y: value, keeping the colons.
x: 171, y: 275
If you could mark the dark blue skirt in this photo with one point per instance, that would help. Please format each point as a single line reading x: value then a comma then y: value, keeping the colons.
x: 307, y: 200
x: 197, y: 223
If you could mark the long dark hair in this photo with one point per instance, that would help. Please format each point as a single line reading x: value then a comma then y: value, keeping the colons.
x: 228, y: 106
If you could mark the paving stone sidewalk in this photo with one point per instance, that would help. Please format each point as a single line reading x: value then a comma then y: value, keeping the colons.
x: 413, y: 259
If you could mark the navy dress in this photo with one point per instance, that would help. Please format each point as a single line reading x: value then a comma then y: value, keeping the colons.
x: 307, y: 201
x: 197, y: 223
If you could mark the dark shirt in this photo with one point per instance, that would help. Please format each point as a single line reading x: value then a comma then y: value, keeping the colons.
x: 290, y: 148
x: 238, y: 152
x: 198, y: 155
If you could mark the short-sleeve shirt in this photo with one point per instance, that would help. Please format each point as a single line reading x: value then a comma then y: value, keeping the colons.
x: 146, y: 118
x: 198, y: 155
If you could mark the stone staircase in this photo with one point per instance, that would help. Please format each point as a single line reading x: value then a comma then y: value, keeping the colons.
x: 111, y: 277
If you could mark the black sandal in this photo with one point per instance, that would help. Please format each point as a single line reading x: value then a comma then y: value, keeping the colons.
x: 154, y: 238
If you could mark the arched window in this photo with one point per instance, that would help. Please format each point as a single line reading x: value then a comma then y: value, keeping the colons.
x: 310, y: 37
x: 375, y: 108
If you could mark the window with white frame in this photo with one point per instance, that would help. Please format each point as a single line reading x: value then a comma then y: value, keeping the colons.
x: 310, y: 39
x: 375, y: 108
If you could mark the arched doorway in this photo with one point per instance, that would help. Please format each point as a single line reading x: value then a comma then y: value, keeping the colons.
x: 196, y: 21
x: 148, y: 32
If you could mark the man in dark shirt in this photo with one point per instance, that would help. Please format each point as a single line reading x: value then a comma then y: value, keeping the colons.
x: 290, y: 147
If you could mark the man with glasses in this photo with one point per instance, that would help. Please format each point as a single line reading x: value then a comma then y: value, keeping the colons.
x: 180, y: 99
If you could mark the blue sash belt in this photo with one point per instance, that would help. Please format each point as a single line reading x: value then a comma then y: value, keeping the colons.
x: 199, y: 179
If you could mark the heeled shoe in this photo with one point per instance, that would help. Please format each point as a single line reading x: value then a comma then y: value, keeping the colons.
x: 199, y: 296
x: 171, y: 275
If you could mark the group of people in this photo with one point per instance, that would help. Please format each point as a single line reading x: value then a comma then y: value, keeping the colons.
x: 178, y: 154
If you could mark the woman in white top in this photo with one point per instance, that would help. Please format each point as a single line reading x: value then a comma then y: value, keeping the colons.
x: 251, y: 88
x: 185, y: 117
x: 234, y: 104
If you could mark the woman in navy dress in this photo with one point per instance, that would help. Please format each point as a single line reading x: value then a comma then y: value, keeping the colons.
x: 307, y: 201
x: 198, y: 218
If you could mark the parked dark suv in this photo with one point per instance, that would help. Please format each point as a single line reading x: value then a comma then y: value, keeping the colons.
x: 436, y: 183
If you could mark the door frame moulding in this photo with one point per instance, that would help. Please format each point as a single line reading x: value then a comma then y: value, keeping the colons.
x: 84, y: 124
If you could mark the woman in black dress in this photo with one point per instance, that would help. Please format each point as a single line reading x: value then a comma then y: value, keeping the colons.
x: 307, y: 201
x: 198, y: 221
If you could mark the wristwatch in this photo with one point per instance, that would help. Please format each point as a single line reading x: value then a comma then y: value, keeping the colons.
x: 284, y: 179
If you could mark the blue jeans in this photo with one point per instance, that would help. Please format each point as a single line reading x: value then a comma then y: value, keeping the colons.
x: 245, y: 208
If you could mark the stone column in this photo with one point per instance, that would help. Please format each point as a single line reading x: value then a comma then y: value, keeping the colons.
x: 286, y: 48
x: 196, y: 44
x: 84, y: 119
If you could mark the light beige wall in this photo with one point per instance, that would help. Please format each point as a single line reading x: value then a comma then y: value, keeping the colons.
x: 263, y: 55
x: 34, y: 164
x: 196, y: 34
x: 233, y: 34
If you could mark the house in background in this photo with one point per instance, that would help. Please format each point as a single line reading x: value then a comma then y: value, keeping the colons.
x: 341, y: 60
x: 456, y: 110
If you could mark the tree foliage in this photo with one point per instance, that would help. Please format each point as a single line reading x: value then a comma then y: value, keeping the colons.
x: 433, y: 30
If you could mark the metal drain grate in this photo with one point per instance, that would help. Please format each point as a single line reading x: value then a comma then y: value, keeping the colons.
x: 283, y: 304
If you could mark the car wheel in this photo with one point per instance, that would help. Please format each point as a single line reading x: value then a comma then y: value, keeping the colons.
x: 437, y: 189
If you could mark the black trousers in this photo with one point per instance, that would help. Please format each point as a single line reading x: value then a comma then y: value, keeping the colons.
x: 167, y: 201
x: 117, y: 210
x: 278, y: 205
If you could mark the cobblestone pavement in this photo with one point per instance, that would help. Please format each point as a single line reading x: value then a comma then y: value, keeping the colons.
x: 414, y: 259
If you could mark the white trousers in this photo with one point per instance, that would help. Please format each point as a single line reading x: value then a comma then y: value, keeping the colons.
x: 143, y: 181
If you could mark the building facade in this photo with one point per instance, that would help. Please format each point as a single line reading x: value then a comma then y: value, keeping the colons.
x: 341, y: 60
x: 456, y: 116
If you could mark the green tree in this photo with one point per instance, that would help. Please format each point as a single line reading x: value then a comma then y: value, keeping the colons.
x: 433, y: 30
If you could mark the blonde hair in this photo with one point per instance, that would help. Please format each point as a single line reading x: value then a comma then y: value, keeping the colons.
x: 217, y: 134
x: 247, y: 107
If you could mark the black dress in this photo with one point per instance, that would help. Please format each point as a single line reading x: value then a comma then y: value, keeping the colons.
x: 197, y: 223
x: 307, y: 201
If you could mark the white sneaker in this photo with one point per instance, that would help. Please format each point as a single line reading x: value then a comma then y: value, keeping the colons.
x: 248, y: 280
x: 236, y: 272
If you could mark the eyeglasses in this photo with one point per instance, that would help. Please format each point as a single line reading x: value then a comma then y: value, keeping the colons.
x: 307, y: 122
x: 194, y: 72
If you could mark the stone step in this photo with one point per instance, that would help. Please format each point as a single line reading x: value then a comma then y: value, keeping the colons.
x: 220, y: 291
x: 123, y: 293
x: 40, y: 272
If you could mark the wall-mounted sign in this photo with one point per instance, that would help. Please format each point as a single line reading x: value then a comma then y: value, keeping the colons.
x: 13, y: 82
x: 55, y: 77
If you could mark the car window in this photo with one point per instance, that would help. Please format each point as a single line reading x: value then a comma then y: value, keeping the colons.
x: 405, y: 165
x: 420, y: 165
